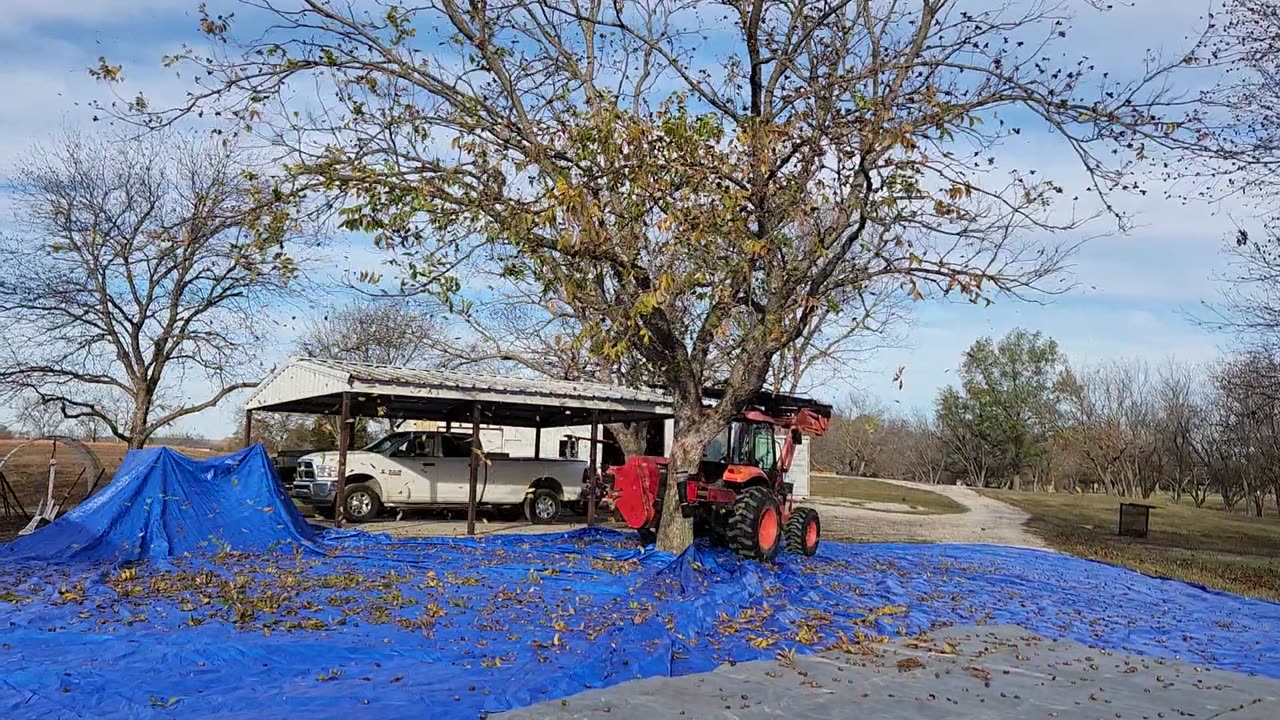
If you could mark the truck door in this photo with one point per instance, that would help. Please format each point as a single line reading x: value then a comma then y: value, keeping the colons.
x: 453, y: 469
x: 412, y: 475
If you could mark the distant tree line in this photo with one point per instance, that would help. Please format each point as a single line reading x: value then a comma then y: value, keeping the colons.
x: 1023, y: 418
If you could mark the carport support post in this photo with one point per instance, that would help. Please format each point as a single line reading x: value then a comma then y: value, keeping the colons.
x: 594, y: 470
x: 248, y: 428
x: 344, y: 442
x: 475, y: 468
x: 537, y: 442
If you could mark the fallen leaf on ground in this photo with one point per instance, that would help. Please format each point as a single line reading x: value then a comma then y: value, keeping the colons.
x: 978, y: 673
x: 908, y: 664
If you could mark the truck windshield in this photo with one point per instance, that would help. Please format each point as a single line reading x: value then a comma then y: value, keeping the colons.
x: 388, y: 444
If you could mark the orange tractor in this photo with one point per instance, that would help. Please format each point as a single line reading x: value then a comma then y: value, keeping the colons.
x: 739, y: 496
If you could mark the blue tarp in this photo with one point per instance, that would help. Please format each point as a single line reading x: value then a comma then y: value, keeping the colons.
x: 263, y: 618
x: 162, y: 504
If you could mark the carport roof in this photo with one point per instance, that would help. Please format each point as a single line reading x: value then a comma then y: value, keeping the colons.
x: 314, y: 386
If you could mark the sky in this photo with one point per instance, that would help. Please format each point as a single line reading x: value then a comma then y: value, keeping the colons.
x: 1134, y: 295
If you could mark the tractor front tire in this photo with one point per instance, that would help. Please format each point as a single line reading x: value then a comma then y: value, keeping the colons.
x: 648, y: 536
x: 755, y: 525
x: 803, y: 531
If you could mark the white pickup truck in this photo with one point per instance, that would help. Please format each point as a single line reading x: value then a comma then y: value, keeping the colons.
x: 431, y: 469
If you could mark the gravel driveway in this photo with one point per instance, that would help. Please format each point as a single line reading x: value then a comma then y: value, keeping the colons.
x: 987, y: 521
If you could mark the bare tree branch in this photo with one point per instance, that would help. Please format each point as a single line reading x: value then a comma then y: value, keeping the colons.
x: 143, y: 265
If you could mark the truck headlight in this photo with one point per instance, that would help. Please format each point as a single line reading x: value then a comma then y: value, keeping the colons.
x: 326, y: 471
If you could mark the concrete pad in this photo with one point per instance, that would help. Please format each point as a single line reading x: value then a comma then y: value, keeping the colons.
x: 419, y: 523
x: 457, y: 528
x: 973, y: 672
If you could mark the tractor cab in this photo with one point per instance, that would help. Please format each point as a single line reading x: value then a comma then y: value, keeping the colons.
x: 744, y: 449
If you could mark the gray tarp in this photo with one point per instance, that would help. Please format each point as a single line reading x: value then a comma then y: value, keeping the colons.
x: 974, y: 672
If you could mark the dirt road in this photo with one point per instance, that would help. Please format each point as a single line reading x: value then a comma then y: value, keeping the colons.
x: 987, y: 521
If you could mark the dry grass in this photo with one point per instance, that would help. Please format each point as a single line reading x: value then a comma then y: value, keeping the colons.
x: 1216, y: 549
x: 865, y: 490
x: 28, y: 471
x: 1214, y: 502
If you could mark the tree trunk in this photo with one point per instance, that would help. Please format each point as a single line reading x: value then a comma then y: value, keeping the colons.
x: 692, y: 430
x: 632, y: 437
x: 1198, y: 499
x: 675, y: 532
x: 138, y: 433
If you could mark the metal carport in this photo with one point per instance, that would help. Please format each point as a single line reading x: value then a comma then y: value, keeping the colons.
x: 352, y: 390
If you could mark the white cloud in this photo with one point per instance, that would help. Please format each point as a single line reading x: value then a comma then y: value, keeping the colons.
x: 22, y: 16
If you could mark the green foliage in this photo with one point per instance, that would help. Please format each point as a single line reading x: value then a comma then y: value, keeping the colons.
x: 1009, y: 403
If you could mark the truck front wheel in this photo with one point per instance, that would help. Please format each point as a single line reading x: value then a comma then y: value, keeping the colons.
x: 361, y: 503
x: 542, y: 506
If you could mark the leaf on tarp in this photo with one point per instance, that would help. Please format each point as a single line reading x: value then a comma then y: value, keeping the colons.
x: 909, y: 664
x: 884, y: 611
x: 978, y: 672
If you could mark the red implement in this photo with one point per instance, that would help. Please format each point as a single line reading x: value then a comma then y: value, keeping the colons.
x: 636, y: 488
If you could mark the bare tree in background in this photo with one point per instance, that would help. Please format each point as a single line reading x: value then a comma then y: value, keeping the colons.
x: 1181, y: 415
x: 849, y: 446
x: 1109, y: 416
x: 383, y: 331
x: 922, y: 452
x: 1249, y: 428
x: 89, y: 428
x: 37, y: 419
x: 395, y: 331
x: 138, y: 278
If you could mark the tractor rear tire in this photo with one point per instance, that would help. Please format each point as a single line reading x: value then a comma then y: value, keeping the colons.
x: 803, y: 531
x: 754, y: 527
